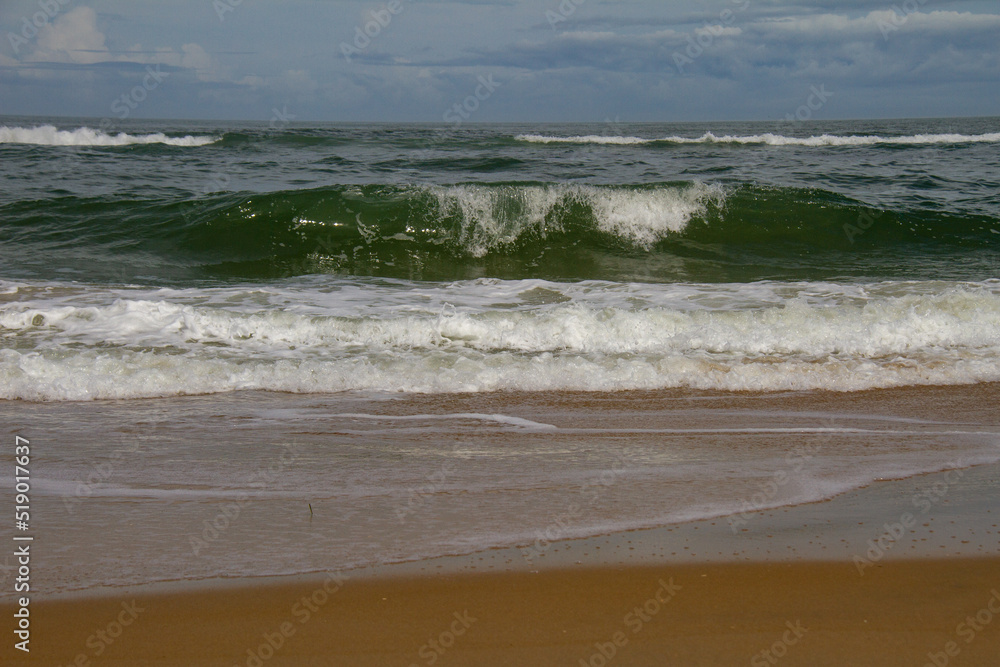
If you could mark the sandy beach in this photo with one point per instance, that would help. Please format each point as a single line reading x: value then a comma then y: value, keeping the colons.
x: 897, y: 611
x: 901, y: 613
x: 898, y: 572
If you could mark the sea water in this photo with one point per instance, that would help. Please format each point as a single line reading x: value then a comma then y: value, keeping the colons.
x: 194, y: 316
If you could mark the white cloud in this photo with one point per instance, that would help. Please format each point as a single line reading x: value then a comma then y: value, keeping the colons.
x: 75, y: 38
x: 252, y: 80
x: 876, y: 24
x: 195, y: 57
x: 72, y: 37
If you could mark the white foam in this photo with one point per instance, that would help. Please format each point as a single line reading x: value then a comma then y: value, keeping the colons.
x: 771, y: 139
x: 48, y: 135
x: 492, y: 216
x: 583, y: 139
x: 497, y: 418
x: 75, y: 488
x: 135, y: 343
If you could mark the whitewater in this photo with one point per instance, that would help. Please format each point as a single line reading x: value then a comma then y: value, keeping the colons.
x: 769, y: 138
x: 82, y: 343
x: 48, y: 135
x: 184, y: 258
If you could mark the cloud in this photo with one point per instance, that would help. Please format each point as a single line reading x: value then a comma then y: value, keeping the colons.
x: 868, y: 48
x: 74, y: 38
x: 874, y: 48
x: 879, y: 24
x: 71, y: 37
x: 610, y: 57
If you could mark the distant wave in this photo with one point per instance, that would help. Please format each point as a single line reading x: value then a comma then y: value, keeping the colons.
x: 769, y: 139
x: 47, y: 135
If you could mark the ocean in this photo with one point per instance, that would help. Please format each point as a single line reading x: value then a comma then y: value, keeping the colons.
x: 454, y: 330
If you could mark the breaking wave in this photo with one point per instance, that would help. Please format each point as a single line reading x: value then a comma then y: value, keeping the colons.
x: 528, y: 335
x: 769, y: 139
x: 660, y: 232
x: 48, y: 135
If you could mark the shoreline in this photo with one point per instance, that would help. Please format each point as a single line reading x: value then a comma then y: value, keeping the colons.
x: 955, y: 500
x: 882, y: 574
x: 572, y: 601
x: 409, y: 479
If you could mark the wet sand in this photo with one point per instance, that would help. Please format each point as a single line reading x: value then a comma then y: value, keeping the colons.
x: 900, y: 572
x: 248, y: 485
x: 882, y: 599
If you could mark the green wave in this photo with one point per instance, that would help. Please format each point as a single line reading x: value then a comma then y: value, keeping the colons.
x: 678, y: 231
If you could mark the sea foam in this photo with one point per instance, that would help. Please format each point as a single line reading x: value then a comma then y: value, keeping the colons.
x: 493, y: 215
x: 48, y: 135
x: 145, y: 344
x: 769, y: 139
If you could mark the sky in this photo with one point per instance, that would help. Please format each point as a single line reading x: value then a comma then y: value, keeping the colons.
x: 499, y: 60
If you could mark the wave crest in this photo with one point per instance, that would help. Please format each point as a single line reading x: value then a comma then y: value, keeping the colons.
x: 491, y: 216
x: 770, y: 139
x: 48, y: 135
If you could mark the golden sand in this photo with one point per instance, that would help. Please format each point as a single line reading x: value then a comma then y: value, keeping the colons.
x: 901, y: 613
